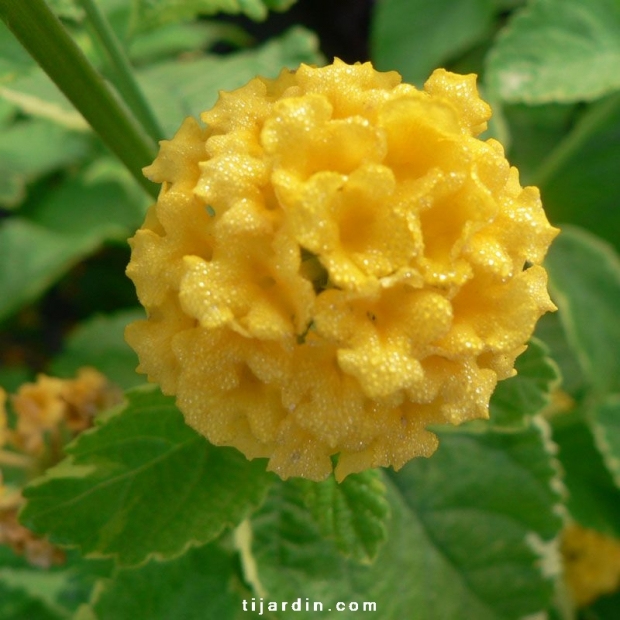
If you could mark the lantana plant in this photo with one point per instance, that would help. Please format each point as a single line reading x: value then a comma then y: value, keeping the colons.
x: 294, y: 334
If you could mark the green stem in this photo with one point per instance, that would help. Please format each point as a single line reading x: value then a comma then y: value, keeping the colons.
x: 583, y: 131
x: 125, y: 80
x: 44, y: 37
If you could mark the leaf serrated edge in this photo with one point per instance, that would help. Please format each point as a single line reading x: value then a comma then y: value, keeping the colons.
x: 68, y: 462
x: 556, y: 482
x: 335, y: 501
x: 377, y: 513
x: 549, y: 552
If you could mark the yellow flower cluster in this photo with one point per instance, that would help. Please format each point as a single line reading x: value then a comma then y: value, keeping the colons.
x: 59, y: 408
x: 335, y: 262
x: 48, y: 414
x: 592, y: 564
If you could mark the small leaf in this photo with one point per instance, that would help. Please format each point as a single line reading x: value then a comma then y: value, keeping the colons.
x: 143, y: 484
x: 606, y: 430
x: 415, y: 36
x: 584, y: 277
x: 152, y: 13
x: 529, y: 391
x: 29, y: 149
x: 473, y: 534
x: 558, y: 50
x: 197, y: 585
x: 100, y: 342
x: 353, y: 513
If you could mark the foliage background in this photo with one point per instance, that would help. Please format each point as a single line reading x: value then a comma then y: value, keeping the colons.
x: 473, y: 532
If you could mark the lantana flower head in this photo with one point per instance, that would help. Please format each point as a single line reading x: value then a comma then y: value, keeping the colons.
x: 53, y: 407
x: 591, y: 563
x: 47, y: 414
x: 335, y: 262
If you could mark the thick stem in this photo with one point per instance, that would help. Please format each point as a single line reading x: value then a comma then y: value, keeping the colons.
x: 47, y: 41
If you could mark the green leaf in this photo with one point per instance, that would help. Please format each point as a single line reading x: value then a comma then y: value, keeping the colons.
x: 197, y: 585
x: 604, y: 608
x: 472, y: 535
x: 180, y: 89
x: 606, y: 429
x: 415, y: 36
x: 529, y: 391
x: 25, y: 274
x: 100, y: 342
x: 152, y: 13
x: 354, y: 513
x: 593, y: 498
x: 31, y: 593
x: 65, y: 224
x: 584, y: 275
x: 46, y: 592
x: 534, y: 132
x: 39, y: 586
x: 100, y: 202
x: 16, y: 604
x: 558, y: 50
x: 576, y: 178
x: 29, y: 149
x: 549, y: 329
x: 143, y: 484
x: 176, y: 39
